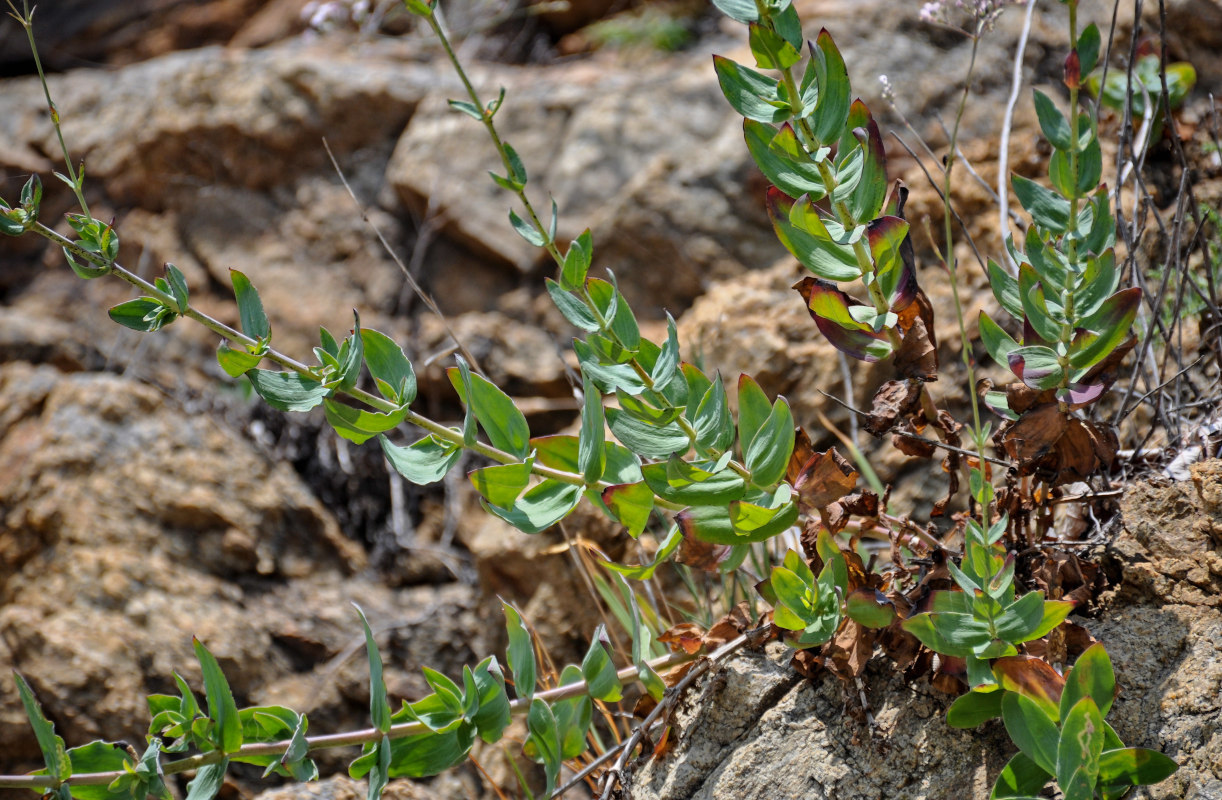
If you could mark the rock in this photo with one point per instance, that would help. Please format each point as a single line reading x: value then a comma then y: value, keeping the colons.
x: 129, y: 526
x: 649, y: 157
x: 73, y: 32
x: 754, y: 730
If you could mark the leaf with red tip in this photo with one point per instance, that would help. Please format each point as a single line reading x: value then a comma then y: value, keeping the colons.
x: 834, y: 89
x: 867, y: 199
x: 1032, y: 678
x: 886, y: 235
x: 1112, y: 322
x: 829, y: 307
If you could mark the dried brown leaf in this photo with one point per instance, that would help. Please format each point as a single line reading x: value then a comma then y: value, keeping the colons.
x: 824, y: 479
x: 686, y: 636
x: 893, y: 401
x: 917, y: 357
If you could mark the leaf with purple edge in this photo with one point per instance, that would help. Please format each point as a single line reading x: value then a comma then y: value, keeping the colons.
x: 1112, y: 322
x: 832, y: 107
x: 1034, y: 679
x: 1037, y: 366
x: 631, y: 503
x: 867, y: 199
x: 886, y: 235
x: 829, y: 307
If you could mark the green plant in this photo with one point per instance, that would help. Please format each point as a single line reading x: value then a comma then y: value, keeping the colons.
x: 1139, y: 92
x: 718, y: 482
x: 1057, y: 723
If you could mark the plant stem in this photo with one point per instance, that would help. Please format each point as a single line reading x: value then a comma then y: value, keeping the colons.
x: 548, y: 243
x: 327, y: 741
x: 26, y: 19
x: 443, y: 432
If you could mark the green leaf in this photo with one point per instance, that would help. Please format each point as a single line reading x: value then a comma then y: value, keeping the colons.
x: 743, y: 11
x: 545, y: 737
x: 98, y: 756
x: 236, y: 363
x: 287, y: 391
x: 359, y: 426
x: 207, y: 781
x: 498, y: 416
x: 1092, y: 676
x: 52, y: 746
x: 1031, y: 729
x: 388, y: 364
x: 379, y: 707
x: 616, y: 311
x: 643, y: 572
x: 751, y: 522
x: 1005, y: 289
x: 526, y: 230
x: 562, y: 452
x: 143, y: 314
x: 571, y: 307
x: 753, y: 410
x: 573, y: 715
x: 467, y: 107
x: 493, y: 716
x: 379, y: 776
x: 178, y: 287
x: 1020, y: 779
x: 592, y: 452
x: 870, y: 608
x: 1081, y: 744
x: 768, y: 453
x: 424, y: 462
x: 752, y: 94
x: 666, y: 366
x: 1088, y: 48
x: 866, y: 200
x: 1052, y: 122
x: 1022, y: 618
x: 1055, y: 612
x: 647, y: 440
x: 250, y: 307
x: 765, y: 44
x: 221, y: 708
x: 429, y: 754
x: 805, y: 234
x: 832, y: 109
x: 715, y: 524
x: 795, y: 176
x: 974, y: 708
x: 678, y: 481
x: 1037, y: 366
x: 502, y: 484
x: 521, y: 653
x: 577, y: 262
x: 541, y: 507
x: 999, y: 343
x: 1047, y: 208
x: 631, y: 504
x: 599, y: 670
x: 712, y: 421
x: 1113, y: 321
x: 948, y: 634
x: 517, y: 170
x: 1134, y: 766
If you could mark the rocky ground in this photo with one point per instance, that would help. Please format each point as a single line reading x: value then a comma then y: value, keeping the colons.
x: 144, y: 499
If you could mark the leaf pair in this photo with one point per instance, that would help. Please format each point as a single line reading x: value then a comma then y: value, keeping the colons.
x: 1057, y: 724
